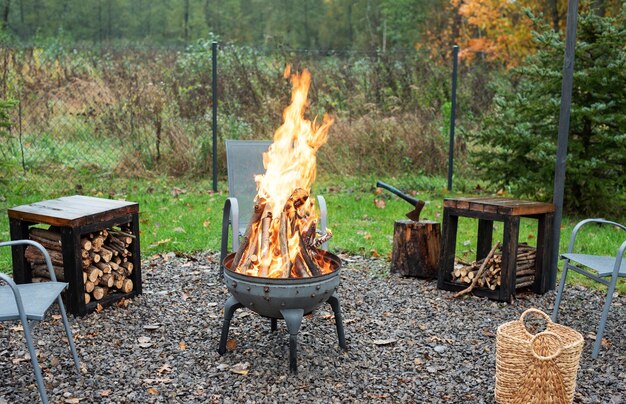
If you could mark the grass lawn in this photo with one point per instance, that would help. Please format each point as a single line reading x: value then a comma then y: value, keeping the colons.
x: 183, y: 215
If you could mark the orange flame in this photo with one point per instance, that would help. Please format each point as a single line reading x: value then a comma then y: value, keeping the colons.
x: 290, y: 165
x: 290, y: 162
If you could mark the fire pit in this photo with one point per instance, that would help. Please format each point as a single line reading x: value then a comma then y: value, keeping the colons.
x: 288, y: 299
x: 278, y: 270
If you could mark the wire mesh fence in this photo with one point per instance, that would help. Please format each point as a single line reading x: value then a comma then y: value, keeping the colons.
x: 132, y: 112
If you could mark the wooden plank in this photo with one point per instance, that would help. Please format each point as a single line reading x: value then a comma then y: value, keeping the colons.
x: 89, y: 202
x: 485, y: 238
x: 462, y: 205
x: 448, y: 247
x: 533, y: 210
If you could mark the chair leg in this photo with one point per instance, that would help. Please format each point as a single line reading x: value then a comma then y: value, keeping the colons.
x: 559, y: 293
x: 605, y: 315
x: 33, y: 359
x: 68, y: 332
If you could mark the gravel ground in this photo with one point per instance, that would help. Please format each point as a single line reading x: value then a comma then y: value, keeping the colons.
x: 162, y: 347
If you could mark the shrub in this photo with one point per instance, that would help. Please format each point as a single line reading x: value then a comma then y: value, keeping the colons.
x: 516, y: 148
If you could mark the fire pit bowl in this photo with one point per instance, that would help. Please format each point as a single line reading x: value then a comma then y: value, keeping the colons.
x: 288, y: 299
x: 268, y: 296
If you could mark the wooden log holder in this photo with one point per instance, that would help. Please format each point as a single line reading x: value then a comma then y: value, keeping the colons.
x: 72, y: 217
x: 509, y: 211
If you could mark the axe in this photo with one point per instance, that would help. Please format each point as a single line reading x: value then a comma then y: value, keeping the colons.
x: 417, y: 204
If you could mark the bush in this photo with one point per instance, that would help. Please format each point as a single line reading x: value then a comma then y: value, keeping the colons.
x: 516, y: 148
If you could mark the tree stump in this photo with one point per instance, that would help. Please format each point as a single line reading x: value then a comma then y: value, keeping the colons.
x: 416, y: 248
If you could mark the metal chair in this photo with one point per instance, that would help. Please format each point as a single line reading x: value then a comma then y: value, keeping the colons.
x: 604, y: 266
x: 31, y: 301
x: 244, y: 160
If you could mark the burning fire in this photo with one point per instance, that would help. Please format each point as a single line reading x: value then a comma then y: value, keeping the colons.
x: 281, y: 240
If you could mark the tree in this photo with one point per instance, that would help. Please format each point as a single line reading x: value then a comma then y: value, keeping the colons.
x: 516, y: 148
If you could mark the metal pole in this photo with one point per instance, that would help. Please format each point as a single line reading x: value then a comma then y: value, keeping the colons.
x: 564, y: 117
x: 455, y: 63
x: 214, y: 98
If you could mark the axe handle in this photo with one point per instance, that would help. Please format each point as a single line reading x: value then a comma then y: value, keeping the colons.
x: 396, y: 191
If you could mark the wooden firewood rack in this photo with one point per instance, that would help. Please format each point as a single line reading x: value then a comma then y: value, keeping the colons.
x: 509, y: 211
x: 74, y: 216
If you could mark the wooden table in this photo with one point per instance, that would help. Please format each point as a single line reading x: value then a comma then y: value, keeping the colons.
x: 74, y: 216
x: 488, y: 210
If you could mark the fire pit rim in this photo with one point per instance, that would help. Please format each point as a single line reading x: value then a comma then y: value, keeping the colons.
x: 336, y: 261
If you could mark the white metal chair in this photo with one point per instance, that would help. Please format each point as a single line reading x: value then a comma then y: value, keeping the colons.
x: 244, y: 160
x: 31, y: 301
x: 603, y: 267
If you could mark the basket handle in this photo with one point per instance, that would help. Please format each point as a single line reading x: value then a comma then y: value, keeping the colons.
x: 522, y: 318
x: 549, y: 357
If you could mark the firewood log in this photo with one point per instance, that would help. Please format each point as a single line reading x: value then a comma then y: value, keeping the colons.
x: 106, y: 254
x: 46, y: 243
x: 42, y: 271
x: 87, y: 298
x: 119, y: 281
x: 99, y: 292
x: 126, y: 237
x: 93, y: 273
x: 266, y: 220
x: 89, y: 286
x: 284, y: 246
x: 480, y: 271
x: 104, y: 267
x: 95, y: 257
x: 96, y: 243
x: 259, y: 208
x: 47, y: 234
x: 128, y: 266
x: 34, y: 255
x: 128, y: 286
x: 85, y: 244
x: 107, y: 280
x: 315, y: 271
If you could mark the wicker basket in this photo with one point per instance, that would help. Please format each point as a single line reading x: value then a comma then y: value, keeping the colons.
x: 537, y: 368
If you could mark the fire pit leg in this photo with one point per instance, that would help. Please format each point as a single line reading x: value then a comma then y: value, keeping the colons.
x: 334, y: 303
x: 293, y: 318
x: 274, y: 324
x: 230, y: 307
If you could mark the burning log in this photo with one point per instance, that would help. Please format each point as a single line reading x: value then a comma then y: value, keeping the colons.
x: 284, y: 245
x: 259, y: 208
x: 469, y: 273
x: 268, y: 240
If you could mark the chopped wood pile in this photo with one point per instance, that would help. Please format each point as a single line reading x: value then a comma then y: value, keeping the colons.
x: 485, y: 273
x: 105, y: 257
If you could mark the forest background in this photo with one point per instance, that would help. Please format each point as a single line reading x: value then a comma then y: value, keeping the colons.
x: 123, y: 88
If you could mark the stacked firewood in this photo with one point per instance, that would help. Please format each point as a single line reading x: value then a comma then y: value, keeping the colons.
x: 489, y: 277
x: 293, y: 225
x: 105, y: 257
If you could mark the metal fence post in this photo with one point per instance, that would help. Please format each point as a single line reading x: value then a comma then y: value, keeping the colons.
x: 455, y: 63
x: 563, y: 134
x: 214, y: 97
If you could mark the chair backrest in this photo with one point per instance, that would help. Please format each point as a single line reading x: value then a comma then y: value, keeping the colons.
x: 244, y: 160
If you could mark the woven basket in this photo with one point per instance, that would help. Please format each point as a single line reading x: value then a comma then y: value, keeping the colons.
x: 538, y: 368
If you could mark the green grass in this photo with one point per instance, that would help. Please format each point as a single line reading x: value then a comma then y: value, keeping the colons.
x: 183, y: 215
